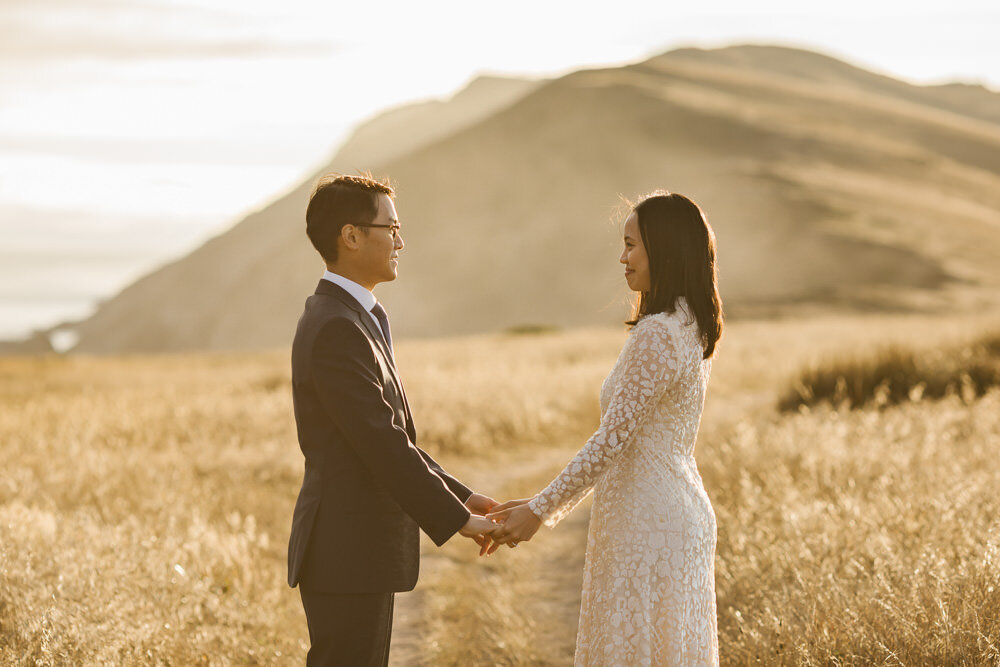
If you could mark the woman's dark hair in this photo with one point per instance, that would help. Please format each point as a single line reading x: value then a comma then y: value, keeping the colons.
x: 339, y: 200
x: 680, y: 245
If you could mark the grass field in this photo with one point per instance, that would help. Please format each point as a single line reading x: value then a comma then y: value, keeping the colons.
x: 145, y: 504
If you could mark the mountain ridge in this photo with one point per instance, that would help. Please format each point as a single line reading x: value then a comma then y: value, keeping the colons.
x: 825, y: 193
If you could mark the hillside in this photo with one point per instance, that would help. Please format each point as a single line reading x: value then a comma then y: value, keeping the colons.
x: 260, y: 268
x: 829, y: 187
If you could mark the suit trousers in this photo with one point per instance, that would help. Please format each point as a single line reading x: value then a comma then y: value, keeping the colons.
x: 348, y: 629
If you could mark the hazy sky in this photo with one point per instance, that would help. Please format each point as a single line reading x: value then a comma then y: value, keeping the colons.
x: 132, y: 129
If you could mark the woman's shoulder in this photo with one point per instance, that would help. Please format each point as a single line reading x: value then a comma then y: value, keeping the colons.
x: 666, y: 320
x: 666, y: 328
x: 656, y: 327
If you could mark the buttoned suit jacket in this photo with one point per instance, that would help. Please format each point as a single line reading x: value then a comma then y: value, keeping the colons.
x: 367, y: 488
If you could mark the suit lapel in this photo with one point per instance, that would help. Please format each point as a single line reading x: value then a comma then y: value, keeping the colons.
x: 326, y: 287
x: 368, y: 323
x: 374, y: 332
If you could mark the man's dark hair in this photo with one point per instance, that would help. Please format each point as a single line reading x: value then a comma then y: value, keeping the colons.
x: 339, y: 200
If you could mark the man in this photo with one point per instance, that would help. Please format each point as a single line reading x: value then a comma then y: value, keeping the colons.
x: 367, y: 486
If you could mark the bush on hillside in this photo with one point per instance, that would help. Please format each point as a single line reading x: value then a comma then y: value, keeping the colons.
x: 894, y: 375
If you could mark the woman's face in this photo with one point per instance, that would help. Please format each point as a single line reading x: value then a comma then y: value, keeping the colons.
x: 634, y: 256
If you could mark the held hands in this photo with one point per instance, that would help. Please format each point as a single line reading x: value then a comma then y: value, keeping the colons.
x: 507, y: 523
x: 479, y: 504
x: 510, y: 503
x: 517, y: 524
x: 493, y: 524
x: 478, y: 528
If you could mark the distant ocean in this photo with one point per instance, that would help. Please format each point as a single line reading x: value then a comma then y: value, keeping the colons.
x: 88, y: 205
x: 58, y: 264
x: 52, y: 271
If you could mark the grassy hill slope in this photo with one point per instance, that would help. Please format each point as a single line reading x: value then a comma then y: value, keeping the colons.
x: 829, y: 187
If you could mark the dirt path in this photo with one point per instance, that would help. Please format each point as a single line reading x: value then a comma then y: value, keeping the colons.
x: 548, y: 572
x: 410, y: 632
x: 407, y: 645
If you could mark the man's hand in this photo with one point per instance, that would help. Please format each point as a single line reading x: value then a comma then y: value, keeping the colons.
x: 480, y: 504
x: 517, y: 524
x: 478, y: 528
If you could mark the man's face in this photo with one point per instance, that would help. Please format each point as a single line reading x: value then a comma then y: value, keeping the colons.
x: 379, y: 247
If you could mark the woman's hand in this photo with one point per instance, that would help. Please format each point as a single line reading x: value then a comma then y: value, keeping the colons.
x: 507, y: 505
x: 487, y: 546
x: 517, y: 524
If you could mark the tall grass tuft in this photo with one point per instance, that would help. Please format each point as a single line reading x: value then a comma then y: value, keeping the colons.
x: 894, y: 375
x: 863, y: 537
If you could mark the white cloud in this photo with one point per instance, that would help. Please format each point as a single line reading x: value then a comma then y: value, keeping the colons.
x: 57, y: 30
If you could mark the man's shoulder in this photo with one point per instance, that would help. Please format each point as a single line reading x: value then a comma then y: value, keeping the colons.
x: 331, y: 305
x: 325, y: 311
x: 327, y: 307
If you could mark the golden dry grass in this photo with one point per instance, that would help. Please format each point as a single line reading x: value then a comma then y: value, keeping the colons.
x: 861, y: 537
x: 145, y: 502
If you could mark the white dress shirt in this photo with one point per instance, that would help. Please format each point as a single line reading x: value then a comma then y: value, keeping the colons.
x: 361, y: 294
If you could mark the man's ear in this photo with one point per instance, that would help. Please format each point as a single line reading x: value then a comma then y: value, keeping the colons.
x: 349, y: 236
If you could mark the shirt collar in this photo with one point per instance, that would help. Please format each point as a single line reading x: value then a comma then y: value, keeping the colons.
x: 360, y: 294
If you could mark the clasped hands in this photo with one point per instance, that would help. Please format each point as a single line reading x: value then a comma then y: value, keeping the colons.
x: 493, y: 524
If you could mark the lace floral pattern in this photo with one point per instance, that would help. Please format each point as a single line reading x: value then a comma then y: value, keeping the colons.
x: 649, y: 578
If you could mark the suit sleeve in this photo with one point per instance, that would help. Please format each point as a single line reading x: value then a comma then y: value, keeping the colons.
x: 461, y: 490
x: 349, y: 385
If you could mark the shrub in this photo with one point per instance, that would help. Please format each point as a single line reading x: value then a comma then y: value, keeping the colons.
x: 895, y: 375
x: 530, y: 329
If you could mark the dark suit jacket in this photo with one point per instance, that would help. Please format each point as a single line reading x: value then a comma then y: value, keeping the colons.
x: 367, y: 487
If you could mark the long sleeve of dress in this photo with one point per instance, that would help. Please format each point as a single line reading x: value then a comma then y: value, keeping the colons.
x: 651, y: 363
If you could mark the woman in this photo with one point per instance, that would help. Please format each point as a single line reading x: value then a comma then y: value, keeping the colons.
x: 649, y: 578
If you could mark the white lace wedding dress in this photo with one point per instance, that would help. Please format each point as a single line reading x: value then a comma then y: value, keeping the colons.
x: 649, y: 578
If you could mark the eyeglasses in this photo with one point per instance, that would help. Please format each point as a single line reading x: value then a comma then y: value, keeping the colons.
x: 394, y: 228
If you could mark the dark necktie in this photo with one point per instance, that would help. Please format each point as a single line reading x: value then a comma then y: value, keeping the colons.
x: 383, y: 321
